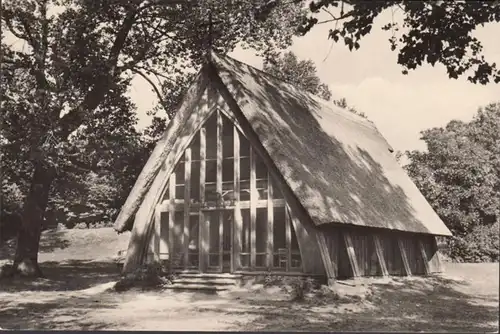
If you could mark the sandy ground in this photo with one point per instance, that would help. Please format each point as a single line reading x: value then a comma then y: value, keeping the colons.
x: 80, y: 270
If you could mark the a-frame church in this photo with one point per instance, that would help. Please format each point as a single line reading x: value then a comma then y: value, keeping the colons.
x: 255, y: 175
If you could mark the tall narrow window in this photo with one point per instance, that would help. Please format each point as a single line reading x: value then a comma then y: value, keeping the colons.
x: 280, y: 252
x: 218, y: 229
x: 261, y: 238
x: 245, y: 238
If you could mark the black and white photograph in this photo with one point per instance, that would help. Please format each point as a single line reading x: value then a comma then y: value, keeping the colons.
x: 250, y: 165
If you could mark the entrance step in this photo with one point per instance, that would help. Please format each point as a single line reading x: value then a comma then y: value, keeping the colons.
x: 205, y: 282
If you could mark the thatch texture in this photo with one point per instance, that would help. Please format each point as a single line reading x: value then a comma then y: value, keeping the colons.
x: 337, y: 163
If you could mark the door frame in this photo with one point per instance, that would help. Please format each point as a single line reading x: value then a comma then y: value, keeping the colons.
x: 223, y: 234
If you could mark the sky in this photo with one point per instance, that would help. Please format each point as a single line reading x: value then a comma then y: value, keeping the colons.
x: 371, y: 80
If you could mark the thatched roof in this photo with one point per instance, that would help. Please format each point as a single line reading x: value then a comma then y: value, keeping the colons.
x: 336, y: 163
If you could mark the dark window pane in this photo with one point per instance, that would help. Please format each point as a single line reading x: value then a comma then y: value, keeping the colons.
x: 195, y: 181
x: 245, y: 230
x: 277, y: 194
x: 227, y: 170
x: 279, y: 235
x: 195, y: 147
x: 245, y: 195
x: 260, y: 168
x: 261, y: 230
x: 179, y: 173
x: 244, y: 146
x: 178, y: 247
x: 260, y: 260
x: 211, y: 141
x: 211, y: 171
x: 228, y: 140
x: 244, y: 168
x: 179, y: 192
x: 213, y: 222
x: 245, y: 260
x: 262, y: 189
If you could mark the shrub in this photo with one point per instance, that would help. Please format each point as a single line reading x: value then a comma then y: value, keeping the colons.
x: 296, y: 287
x: 148, y: 276
x: 480, y: 245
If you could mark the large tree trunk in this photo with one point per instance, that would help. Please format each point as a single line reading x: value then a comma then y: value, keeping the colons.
x: 26, y: 258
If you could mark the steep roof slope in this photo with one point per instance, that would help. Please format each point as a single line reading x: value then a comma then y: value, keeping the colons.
x: 337, y: 163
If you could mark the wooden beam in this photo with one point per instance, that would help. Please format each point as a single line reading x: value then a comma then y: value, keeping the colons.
x: 203, y: 247
x: 439, y: 268
x: 195, y: 99
x: 351, y: 254
x: 237, y: 210
x: 288, y: 239
x: 404, y: 257
x: 253, y: 207
x: 187, y: 202
x: 157, y: 234
x: 184, y: 126
x: 219, y: 183
x: 227, y: 204
x: 380, y: 255
x: 423, y: 255
x: 306, y: 230
x: 325, y: 255
x: 270, y: 223
x: 334, y: 250
x: 171, y: 217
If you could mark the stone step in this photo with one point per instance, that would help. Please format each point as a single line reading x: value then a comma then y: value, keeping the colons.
x: 206, y: 281
x: 196, y: 287
x: 206, y: 276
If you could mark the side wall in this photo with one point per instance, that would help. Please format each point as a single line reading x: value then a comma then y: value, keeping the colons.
x: 357, y: 251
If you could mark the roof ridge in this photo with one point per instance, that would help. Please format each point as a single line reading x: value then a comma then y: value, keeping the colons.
x: 328, y: 104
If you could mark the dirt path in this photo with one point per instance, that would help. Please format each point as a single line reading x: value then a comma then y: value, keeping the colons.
x: 78, y: 300
x: 75, y: 296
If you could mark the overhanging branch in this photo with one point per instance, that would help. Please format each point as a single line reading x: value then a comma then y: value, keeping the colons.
x: 72, y: 120
x: 157, y: 91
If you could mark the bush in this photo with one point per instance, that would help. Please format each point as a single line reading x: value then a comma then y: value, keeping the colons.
x: 296, y: 287
x: 147, y: 277
x: 480, y: 245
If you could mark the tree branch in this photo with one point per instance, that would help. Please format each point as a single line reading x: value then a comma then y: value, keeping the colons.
x: 341, y: 17
x: 72, y: 120
x: 152, y: 3
x: 157, y: 91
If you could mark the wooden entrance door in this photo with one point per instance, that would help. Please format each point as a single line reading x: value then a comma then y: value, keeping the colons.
x: 217, y: 241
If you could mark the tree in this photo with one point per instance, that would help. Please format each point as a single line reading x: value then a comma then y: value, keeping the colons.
x: 302, y: 74
x: 459, y: 175
x: 431, y: 31
x: 76, y: 63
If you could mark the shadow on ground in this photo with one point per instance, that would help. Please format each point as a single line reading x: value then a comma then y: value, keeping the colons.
x: 61, y: 300
x: 59, y: 313
x: 74, y: 296
x: 431, y: 304
x: 64, y: 276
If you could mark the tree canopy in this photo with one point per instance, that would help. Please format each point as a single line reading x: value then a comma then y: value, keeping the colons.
x: 302, y: 74
x: 459, y: 175
x: 430, y: 32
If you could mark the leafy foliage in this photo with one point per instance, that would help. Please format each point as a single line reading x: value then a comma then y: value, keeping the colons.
x: 302, y: 74
x: 67, y: 65
x: 459, y: 175
x: 431, y: 31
